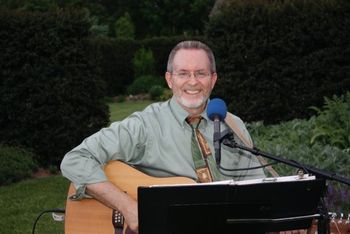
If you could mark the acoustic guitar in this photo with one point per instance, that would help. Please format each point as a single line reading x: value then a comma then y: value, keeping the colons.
x: 89, y: 216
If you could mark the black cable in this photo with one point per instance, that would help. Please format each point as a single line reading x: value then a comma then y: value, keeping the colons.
x: 221, y: 169
x: 247, y: 168
x: 57, y: 210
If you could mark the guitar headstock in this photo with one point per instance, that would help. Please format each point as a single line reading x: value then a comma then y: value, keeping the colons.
x: 339, y: 224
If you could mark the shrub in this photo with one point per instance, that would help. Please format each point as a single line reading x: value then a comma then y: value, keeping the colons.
x: 293, y: 140
x: 115, y: 62
x: 332, y: 123
x: 161, y: 47
x: 156, y: 91
x: 143, y: 84
x: 50, y: 89
x: 15, y: 164
x: 166, y: 95
x: 277, y: 58
x: 143, y: 62
x: 124, y: 27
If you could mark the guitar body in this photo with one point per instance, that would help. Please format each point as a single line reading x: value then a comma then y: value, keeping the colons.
x: 89, y: 216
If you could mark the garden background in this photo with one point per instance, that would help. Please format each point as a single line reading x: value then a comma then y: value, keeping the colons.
x: 283, y: 67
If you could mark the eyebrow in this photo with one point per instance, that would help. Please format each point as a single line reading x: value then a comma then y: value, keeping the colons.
x: 200, y: 70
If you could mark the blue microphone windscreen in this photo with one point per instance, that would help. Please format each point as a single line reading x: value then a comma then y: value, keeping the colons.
x: 217, y: 108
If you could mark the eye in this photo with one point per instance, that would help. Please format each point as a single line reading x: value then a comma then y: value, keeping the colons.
x: 183, y: 74
x: 201, y: 74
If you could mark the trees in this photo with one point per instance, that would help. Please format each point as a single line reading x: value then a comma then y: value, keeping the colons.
x: 150, y: 17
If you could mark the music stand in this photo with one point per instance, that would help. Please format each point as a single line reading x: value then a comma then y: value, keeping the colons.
x: 227, y: 208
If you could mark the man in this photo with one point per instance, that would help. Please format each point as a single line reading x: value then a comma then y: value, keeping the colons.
x: 157, y: 140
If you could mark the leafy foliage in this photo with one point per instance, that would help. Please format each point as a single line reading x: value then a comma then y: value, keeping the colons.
x: 145, y: 80
x: 124, y: 27
x: 169, y: 17
x: 123, y: 60
x: 115, y: 61
x: 277, y: 58
x: 15, y: 164
x: 143, y: 84
x: 156, y: 91
x: 332, y: 124
x: 50, y: 90
x: 293, y: 140
x: 150, y: 18
x: 143, y: 62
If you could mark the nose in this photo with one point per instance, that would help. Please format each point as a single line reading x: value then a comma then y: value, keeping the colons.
x: 192, y: 79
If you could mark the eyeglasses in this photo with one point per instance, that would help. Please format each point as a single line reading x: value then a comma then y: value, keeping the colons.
x: 183, y: 75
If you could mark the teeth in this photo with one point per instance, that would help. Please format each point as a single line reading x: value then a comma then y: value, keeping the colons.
x: 192, y: 91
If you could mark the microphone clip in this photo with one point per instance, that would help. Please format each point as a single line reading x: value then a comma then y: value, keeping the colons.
x: 225, y: 137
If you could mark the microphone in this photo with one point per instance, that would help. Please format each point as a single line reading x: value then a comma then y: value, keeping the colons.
x: 216, y: 111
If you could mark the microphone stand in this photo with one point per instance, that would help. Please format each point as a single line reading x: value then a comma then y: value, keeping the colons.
x: 306, y: 168
x: 226, y: 137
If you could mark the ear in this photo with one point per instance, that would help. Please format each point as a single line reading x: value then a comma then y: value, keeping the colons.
x: 214, y: 78
x: 168, y: 79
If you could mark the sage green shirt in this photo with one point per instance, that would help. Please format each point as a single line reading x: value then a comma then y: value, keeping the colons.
x: 157, y: 141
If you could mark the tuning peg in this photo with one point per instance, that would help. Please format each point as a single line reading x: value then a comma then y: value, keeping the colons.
x: 333, y: 216
x: 341, y: 218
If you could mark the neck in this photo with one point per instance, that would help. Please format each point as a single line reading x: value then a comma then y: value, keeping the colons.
x: 195, y: 111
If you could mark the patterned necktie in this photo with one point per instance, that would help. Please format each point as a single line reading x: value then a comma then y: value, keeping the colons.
x: 202, y: 157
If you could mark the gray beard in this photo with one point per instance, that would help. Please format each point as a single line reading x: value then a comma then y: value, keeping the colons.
x: 191, y: 105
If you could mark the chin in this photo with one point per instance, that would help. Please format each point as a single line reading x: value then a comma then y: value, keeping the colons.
x: 192, y: 104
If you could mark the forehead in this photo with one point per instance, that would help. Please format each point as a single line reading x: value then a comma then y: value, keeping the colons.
x: 191, y: 59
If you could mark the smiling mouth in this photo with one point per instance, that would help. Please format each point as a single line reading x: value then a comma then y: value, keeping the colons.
x: 192, y: 92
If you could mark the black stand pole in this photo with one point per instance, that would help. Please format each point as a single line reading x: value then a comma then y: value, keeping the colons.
x: 323, y: 220
x: 228, y: 141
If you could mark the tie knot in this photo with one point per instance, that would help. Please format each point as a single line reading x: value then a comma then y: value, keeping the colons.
x: 194, y: 120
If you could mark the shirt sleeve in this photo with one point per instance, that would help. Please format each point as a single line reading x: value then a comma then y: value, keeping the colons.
x: 123, y: 141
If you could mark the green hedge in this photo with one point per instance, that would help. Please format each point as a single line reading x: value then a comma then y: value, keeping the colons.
x: 115, y: 62
x: 161, y: 47
x: 15, y: 164
x: 50, y: 90
x: 116, y: 57
x: 277, y: 58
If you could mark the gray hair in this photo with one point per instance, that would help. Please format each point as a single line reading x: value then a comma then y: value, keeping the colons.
x: 197, y: 45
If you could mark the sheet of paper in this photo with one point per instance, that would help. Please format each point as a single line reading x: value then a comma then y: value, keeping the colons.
x: 246, y: 182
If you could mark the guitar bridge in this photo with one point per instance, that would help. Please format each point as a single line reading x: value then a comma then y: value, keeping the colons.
x: 117, y: 220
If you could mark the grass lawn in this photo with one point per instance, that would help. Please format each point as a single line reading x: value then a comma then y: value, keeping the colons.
x: 22, y: 202
x: 121, y: 110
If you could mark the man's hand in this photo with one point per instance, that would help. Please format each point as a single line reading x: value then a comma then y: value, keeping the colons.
x: 114, y: 198
x: 129, y: 211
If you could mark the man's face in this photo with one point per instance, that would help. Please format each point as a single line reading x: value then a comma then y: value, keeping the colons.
x: 191, y: 92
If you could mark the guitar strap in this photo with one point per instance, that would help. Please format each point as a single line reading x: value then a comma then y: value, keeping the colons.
x: 231, y: 121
